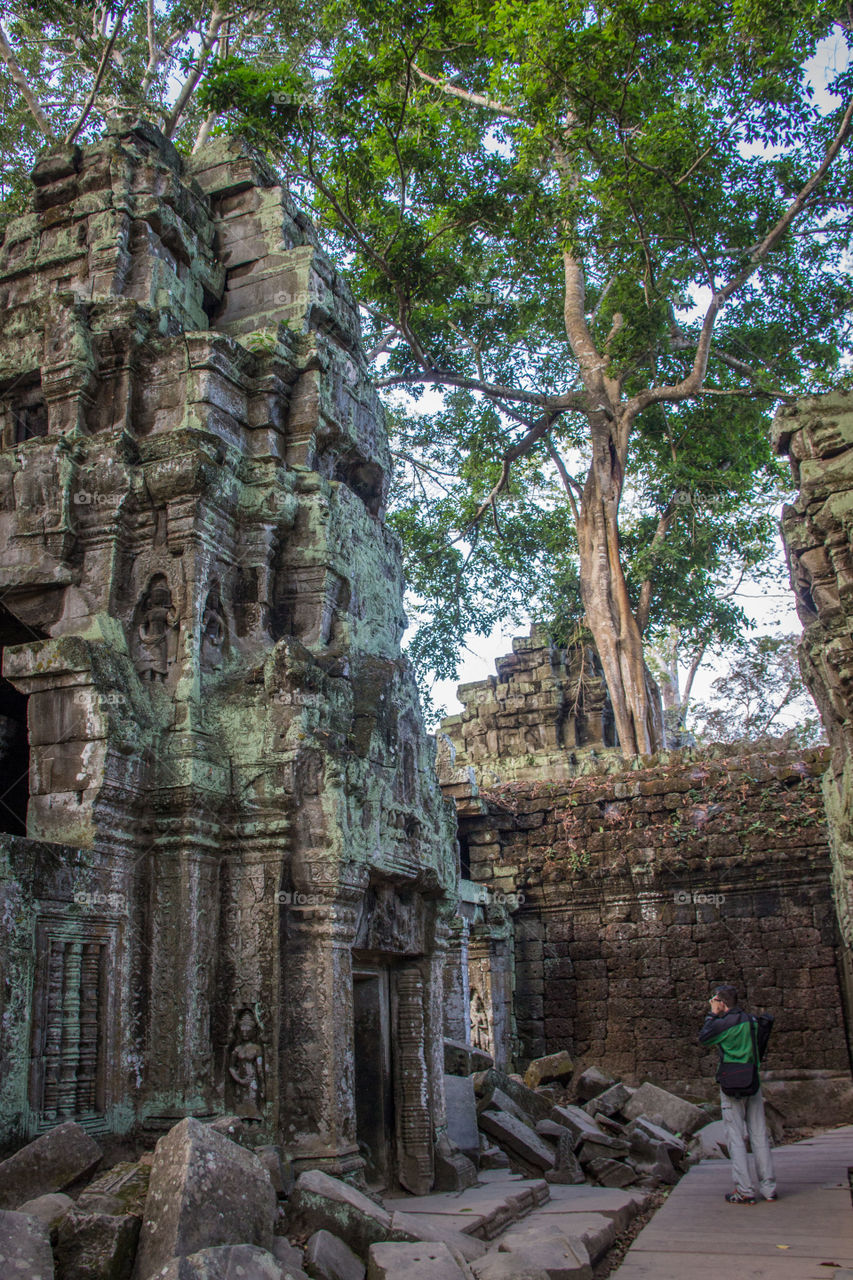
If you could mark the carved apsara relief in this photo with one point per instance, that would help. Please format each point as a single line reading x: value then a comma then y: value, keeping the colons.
x: 154, y: 633
x: 246, y: 1085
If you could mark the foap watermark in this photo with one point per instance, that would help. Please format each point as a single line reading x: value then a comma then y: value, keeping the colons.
x: 297, y: 898
x: 83, y: 697
x: 89, y: 498
x: 699, y: 898
x: 97, y: 898
x: 485, y: 896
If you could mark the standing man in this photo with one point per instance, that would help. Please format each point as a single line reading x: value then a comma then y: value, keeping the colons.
x: 728, y: 1027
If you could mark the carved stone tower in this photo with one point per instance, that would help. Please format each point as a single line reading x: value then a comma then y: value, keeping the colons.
x: 227, y: 868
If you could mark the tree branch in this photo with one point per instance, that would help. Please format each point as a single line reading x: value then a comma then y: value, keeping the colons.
x: 476, y: 99
x: 688, y: 684
x: 19, y: 79
x: 568, y: 483
x: 217, y: 18
x: 524, y: 445
x: 692, y: 384
x: 644, y: 606
x: 73, y: 132
x: 554, y: 404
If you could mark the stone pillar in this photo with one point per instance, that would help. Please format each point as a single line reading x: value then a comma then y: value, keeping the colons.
x: 179, y: 1079
x: 316, y: 1058
x: 457, y: 995
x: 412, y: 1083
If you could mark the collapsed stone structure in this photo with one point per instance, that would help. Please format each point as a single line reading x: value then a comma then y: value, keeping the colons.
x: 529, y: 719
x: 817, y: 435
x: 227, y: 870
x: 602, y: 904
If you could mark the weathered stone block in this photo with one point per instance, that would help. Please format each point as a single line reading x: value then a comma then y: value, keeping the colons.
x: 555, y: 1066
x: 204, y: 1191
x: 494, y: 1158
x: 462, y: 1115
x: 48, y: 1209
x: 55, y: 1160
x: 287, y: 1254
x: 497, y: 1100
x: 96, y: 1246
x: 592, y: 1082
x: 518, y: 1138
x: 412, y: 1262
x: 24, y: 1248
x: 121, y: 1190
x: 463, y: 1059
x: 562, y: 1256
x: 453, y: 1170
x: 568, y: 1168
x: 415, y: 1226
x: 610, y: 1101
x: 675, y: 1113
x: 580, y: 1125
x: 229, y: 1262
x: 536, y: 1107
x: 329, y: 1258
x: 611, y: 1173
x: 323, y: 1203
x: 508, y: 1266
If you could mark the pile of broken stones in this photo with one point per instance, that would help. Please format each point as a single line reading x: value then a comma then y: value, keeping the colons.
x: 592, y: 1128
x: 210, y: 1204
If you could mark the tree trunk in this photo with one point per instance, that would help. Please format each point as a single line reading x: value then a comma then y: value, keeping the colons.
x: 611, y: 620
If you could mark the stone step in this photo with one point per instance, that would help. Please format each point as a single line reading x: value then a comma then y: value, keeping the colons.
x: 564, y: 1238
x: 484, y: 1211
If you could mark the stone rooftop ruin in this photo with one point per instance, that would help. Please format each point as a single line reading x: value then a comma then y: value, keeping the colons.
x: 543, y: 705
x: 227, y: 869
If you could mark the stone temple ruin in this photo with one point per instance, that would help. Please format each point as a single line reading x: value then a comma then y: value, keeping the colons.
x: 230, y: 884
x: 227, y: 872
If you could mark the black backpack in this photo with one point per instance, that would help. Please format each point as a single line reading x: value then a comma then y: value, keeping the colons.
x: 763, y: 1027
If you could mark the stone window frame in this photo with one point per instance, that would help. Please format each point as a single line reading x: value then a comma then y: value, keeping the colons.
x: 17, y: 396
x: 53, y: 925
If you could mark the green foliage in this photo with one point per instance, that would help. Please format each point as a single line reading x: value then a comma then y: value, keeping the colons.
x: 454, y: 151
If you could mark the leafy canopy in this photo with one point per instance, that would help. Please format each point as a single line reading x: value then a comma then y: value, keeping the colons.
x: 459, y: 152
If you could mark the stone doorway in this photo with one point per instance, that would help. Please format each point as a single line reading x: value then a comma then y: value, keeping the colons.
x: 14, y: 759
x: 374, y: 1096
x: 14, y: 739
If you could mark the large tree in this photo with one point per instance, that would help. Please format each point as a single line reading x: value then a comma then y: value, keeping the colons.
x: 614, y: 230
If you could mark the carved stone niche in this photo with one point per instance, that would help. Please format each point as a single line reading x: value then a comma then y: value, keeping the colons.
x: 23, y: 410
x: 74, y: 1013
x: 306, y: 604
x: 365, y: 479
x: 213, y: 644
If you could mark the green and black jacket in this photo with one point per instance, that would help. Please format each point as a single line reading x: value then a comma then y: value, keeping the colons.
x: 731, y: 1033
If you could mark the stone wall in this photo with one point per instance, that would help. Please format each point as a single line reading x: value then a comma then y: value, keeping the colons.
x: 636, y: 885
x: 817, y: 435
x: 227, y: 818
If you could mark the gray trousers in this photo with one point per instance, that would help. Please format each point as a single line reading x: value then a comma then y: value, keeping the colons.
x: 742, y: 1116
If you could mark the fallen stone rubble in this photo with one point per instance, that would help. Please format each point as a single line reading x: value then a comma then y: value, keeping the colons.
x: 210, y: 1203
x: 596, y: 1129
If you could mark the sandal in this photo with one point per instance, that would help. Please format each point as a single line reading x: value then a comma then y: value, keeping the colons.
x: 735, y: 1197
